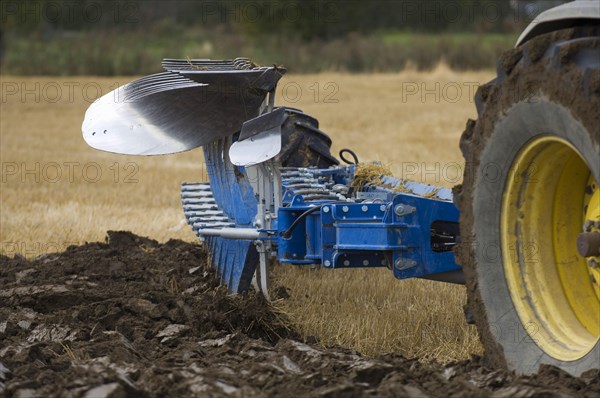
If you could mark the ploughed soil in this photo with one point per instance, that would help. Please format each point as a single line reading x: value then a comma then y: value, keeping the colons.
x: 132, y: 317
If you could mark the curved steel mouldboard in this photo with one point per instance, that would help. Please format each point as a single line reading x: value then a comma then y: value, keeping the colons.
x: 177, y: 110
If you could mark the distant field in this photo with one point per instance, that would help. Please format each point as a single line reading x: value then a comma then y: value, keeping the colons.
x: 486, y: 40
x: 138, y: 52
x: 56, y: 191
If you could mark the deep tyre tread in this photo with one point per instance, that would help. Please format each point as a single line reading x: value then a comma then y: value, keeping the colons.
x: 549, y: 74
x: 303, y: 144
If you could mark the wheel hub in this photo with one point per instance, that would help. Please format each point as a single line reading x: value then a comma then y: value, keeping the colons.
x: 590, y: 237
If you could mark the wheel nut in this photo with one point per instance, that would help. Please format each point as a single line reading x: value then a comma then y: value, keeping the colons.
x: 588, y: 244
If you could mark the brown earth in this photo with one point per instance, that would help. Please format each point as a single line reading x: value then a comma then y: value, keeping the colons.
x: 132, y: 317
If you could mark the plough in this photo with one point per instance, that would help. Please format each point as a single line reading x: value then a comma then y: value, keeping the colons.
x: 277, y: 193
x: 263, y: 203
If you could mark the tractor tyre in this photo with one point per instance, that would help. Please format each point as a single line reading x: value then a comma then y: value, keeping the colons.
x: 303, y: 144
x: 530, y: 191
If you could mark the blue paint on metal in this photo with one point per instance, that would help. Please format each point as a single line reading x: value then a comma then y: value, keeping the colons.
x: 416, y: 188
x: 357, y: 233
x: 234, y: 260
x: 360, y: 230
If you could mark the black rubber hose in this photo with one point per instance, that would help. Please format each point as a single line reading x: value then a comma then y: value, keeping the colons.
x: 288, y: 232
x: 351, y: 153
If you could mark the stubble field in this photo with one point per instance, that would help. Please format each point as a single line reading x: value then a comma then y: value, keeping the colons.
x: 56, y: 191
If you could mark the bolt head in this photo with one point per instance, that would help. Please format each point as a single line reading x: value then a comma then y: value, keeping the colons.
x: 345, y: 209
x: 399, y: 210
x: 365, y: 262
x: 402, y: 264
x: 364, y: 208
x: 326, y: 209
x: 346, y: 263
x: 382, y: 208
x: 327, y: 263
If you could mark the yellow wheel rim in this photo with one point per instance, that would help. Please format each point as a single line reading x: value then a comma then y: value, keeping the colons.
x: 550, y: 197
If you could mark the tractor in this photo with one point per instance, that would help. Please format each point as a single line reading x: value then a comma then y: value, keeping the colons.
x: 522, y: 231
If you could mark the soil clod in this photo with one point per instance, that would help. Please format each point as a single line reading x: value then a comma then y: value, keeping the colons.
x: 132, y: 317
